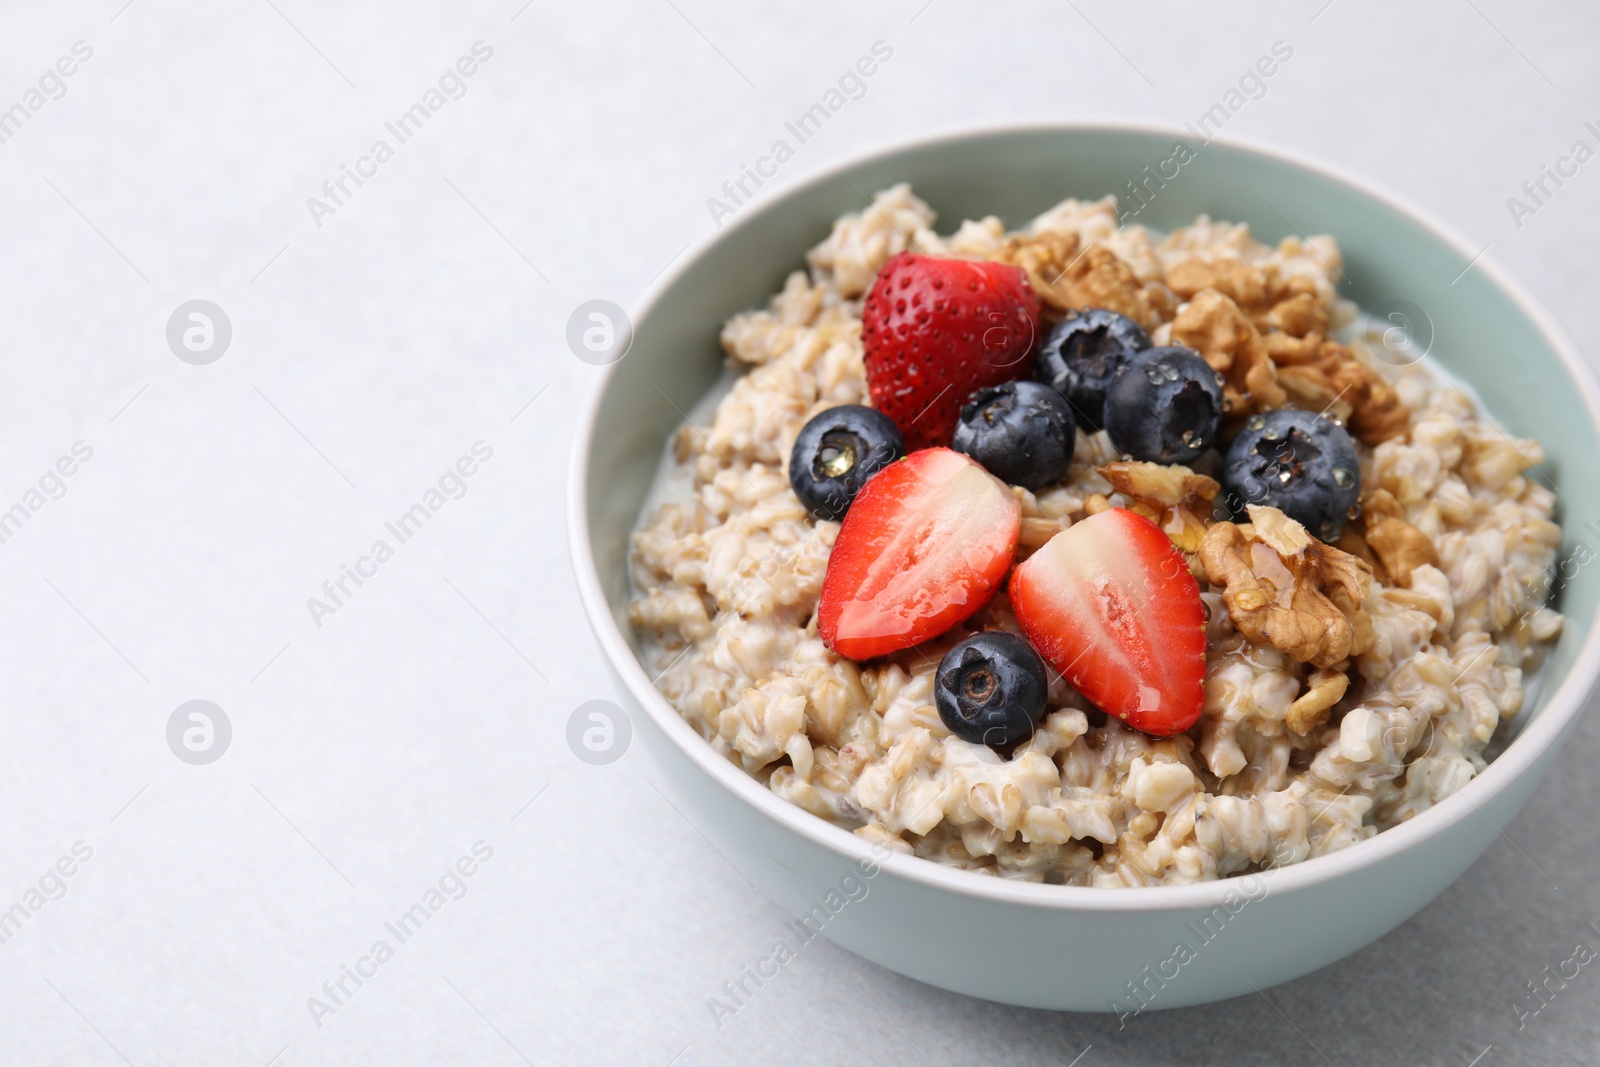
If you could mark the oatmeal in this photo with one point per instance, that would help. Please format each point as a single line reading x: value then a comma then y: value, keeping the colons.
x: 1356, y: 664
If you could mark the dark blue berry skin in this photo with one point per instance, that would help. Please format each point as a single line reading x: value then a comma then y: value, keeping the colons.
x: 991, y: 689
x: 1022, y: 432
x: 1165, y: 406
x: 835, y: 454
x: 1302, y: 463
x: 1082, y: 356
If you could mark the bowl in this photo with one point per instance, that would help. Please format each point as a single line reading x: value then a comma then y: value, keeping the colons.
x: 1061, y: 947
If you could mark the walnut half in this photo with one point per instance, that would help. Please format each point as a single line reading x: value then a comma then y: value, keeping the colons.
x: 1287, y: 590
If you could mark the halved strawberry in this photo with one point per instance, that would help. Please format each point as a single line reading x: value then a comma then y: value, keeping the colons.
x: 933, y: 330
x: 1111, y: 605
x: 925, y: 544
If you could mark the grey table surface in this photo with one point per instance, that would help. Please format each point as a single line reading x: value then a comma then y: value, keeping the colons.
x: 377, y: 338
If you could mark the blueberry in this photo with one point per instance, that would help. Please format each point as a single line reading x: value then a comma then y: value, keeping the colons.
x: 1023, y: 432
x: 1083, y: 354
x: 835, y: 454
x: 1165, y: 406
x: 991, y: 689
x: 1299, y: 462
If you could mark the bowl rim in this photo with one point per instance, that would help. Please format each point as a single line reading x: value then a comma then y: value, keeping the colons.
x: 1536, y: 739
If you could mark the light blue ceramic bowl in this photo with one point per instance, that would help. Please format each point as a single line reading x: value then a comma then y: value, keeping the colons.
x: 1053, y: 946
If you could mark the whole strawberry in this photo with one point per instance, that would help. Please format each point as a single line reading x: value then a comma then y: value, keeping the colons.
x: 933, y: 330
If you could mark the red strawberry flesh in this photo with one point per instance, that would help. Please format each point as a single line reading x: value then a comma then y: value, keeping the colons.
x: 1111, y: 605
x: 924, y: 545
x: 934, y: 330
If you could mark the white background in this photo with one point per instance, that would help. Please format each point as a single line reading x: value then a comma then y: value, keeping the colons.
x: 368, y: 354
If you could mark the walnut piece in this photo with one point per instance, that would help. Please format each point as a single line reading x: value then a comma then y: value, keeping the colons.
x: 1297, y: 316
x: 1173, y: 497
x: 1323, y: 375
x: 1287, y: 590
x: 1400, y: 546
x: 1237, y: 280
x: 1213, y: 325
x: 1288, y: 350
x: 1044, y: 258
x: 1166, y: 485
x: 1067, y: 274
x: 1351, y: 541
x: 1393, y: 546
x: 1036, y: 531
x: 1380, y: 503
x: 1324, y: 689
